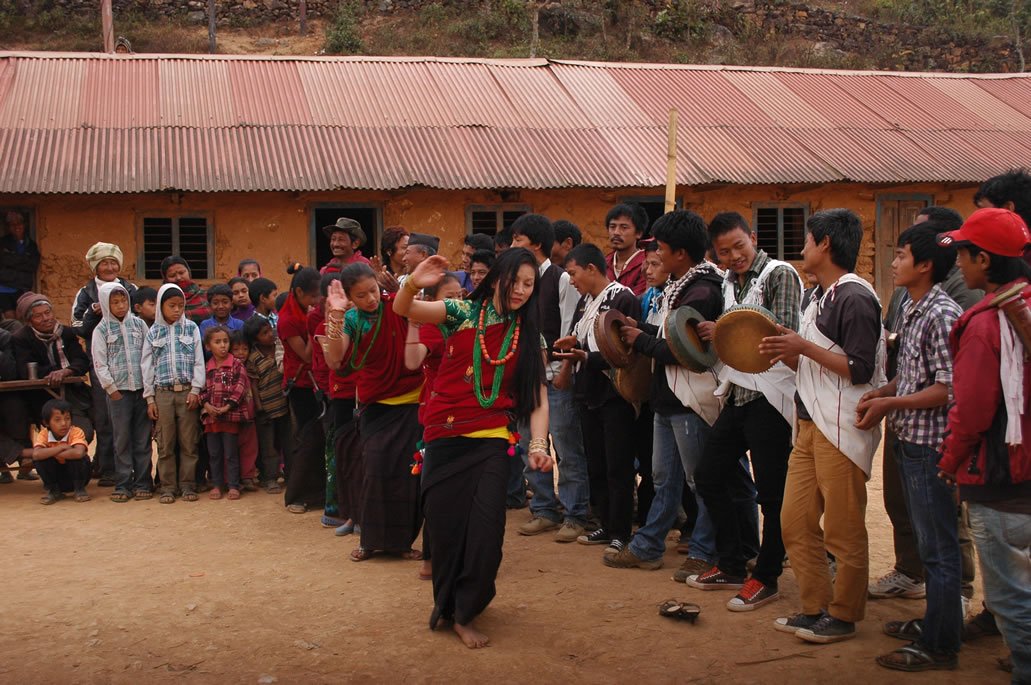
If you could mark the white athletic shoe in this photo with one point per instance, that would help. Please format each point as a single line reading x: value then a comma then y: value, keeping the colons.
x: 897, y: 584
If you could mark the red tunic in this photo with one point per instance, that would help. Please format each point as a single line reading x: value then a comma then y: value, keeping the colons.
x: 433, y: 339
x: 453, y: 409
x: 293, y: 321
x: 383, y: 374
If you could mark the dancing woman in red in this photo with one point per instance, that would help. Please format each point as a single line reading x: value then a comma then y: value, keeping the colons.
x: 368, y: 341
x: 491, y: 374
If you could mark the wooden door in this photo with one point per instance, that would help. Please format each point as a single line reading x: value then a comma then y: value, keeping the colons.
x: 895, y: 213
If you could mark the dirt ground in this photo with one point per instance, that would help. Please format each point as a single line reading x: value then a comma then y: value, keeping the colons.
x: 243, y: 592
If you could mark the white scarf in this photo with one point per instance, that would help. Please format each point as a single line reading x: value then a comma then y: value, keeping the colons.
x: 672, y: 291
x: 1011, y: 374
x: 584, y: 329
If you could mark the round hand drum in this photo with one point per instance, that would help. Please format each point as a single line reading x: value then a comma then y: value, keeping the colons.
x: 610, y: 343
x: 682, y: 337
x: 738, y: 334
x: 634, y: 382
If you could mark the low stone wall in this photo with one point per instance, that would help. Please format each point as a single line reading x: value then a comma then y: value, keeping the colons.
x: 894, y: 46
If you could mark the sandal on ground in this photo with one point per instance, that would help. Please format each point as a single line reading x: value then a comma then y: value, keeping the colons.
x: 189, y: 496
x: 82, y: 496
x: 143, y: 494
x: 912, y: 658
x: 120, y: 497
x: 233, y: 494
x: 29, y: 475
x: 682, y: 611
x: 248, y: 485
x: 6, y: 478
x: 167, y: 497
x: 296, y: 508
x: 905, y: 630
x: 425, y: 576
x: 50, y: 497
x: 411, y: 555
x: 216, y: 493
x: 273, y: 487
x: 361, y: 554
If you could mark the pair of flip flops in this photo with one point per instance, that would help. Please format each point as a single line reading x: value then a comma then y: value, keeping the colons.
x: 682, y: 611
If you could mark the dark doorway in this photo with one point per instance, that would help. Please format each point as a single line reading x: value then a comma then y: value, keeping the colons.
x: 369, y: 216
x: 655, y: 206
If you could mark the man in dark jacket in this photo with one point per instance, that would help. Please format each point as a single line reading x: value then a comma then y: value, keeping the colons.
x: 57, y: 352
x: 15, y: 445
x: 19, y: 260
x: 987, y: 450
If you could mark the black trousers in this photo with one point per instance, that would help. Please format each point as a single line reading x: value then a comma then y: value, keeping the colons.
x: 224, y: 458
x: 609, y: 443
x: 644, y: 426
x: 66, y: 477
x: 306, y: 467
x: 759, y: 429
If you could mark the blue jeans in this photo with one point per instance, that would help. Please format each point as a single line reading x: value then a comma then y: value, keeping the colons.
x: 132, y: 451
x: 677, y: 444
x: 932, y: 513
x: 573, y: 493
x: 1004, y: 547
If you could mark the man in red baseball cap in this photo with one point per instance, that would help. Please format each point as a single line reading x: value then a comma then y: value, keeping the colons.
x: 987, y: 449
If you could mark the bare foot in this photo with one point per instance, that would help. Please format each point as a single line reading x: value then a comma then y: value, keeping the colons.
x: 472, y: 638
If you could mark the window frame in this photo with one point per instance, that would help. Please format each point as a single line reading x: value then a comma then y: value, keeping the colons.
x: 141, y: 217
x: 26, y: 210
x: 498, y: 209
x: 806, y: 213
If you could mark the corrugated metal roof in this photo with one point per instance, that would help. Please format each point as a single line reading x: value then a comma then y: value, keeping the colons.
x: 250, y: 123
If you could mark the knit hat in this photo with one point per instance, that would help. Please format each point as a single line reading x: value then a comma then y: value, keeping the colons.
x: 26, y: 302
x: 101, y: 251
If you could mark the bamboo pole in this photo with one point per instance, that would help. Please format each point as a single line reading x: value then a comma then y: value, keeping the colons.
x: 671, y: 163
x: 107, y: 25
x: 212, y: 46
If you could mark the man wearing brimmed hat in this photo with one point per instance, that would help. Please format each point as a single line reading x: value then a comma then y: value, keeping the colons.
x: 986, y: 450
x: 345, y: 237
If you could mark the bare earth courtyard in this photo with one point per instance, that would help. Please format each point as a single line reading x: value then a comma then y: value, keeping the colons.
x: 243, y: 592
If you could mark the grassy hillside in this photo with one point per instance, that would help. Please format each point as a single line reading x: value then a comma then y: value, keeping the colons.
x: 932, y: 32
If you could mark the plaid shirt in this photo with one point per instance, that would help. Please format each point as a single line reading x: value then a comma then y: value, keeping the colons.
x: 924, y: 359
x: 781, y: 296
x: 119, y: 367
x: 267, y: 381
x: 173, y: 354
x: 226, y: 384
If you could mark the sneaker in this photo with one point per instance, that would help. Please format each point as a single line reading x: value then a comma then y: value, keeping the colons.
x: 752, y: 596
x: 570, y: 532
x: 538, y: 525
x: 827, y: 630
x: 792, y: 624
x: 624, y: 558
x: 894, y: 583
x: 715, y: 579
x: 29, y: 475
x: 332, y: 521
x: 598, y: 537
x: 690, y: 567
x: 345, y: 529
x: 615, y: 546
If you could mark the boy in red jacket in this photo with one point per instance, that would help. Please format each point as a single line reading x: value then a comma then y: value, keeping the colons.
x: 987, y: 450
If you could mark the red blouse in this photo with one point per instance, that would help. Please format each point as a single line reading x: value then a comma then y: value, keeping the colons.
x: 381, y: 355
x: 433, y: 339
x: 293, y: 321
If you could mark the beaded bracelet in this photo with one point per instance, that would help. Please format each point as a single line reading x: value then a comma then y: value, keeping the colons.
x: 538, y: 445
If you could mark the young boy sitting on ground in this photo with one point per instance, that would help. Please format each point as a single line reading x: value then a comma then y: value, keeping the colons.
x: 60, y: 454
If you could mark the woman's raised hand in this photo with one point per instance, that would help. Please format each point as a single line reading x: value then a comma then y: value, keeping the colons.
x: 336, y: 298
x: 429, y: 272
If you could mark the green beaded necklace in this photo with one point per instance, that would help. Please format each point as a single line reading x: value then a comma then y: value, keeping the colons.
x: 499, y: 372
x: 354, y: 343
